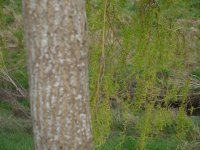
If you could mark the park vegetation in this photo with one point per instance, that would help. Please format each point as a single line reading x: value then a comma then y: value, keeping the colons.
x: 144, y: 75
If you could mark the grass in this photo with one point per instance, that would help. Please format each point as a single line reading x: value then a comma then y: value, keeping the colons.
x: 15, y: 134
x: 196, y: 120
x: 129, y: 143
x: 24, y: 141
x: 196, y: 73
x: 16, y: 141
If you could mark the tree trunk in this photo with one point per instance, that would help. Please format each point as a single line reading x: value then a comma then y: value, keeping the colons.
x: 58, y: 73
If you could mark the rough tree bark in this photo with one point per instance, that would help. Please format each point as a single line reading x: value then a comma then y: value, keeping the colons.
x: 56, y: 42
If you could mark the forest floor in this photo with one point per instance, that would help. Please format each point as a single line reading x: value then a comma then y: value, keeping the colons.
x: 16, y: 134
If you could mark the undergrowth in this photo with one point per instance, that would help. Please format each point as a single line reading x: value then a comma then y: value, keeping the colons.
x: 138, y: 71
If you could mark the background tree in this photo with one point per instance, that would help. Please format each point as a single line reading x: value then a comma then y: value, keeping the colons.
x: 58, y: 76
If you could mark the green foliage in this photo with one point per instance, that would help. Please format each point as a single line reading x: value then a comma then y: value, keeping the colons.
x: 137, y: 57
x: 143, y: 60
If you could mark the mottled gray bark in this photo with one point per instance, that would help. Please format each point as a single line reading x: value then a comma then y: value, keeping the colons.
x: 57, y: 55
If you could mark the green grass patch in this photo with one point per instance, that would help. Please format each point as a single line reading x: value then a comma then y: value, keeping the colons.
x: 24, y: 102
x: 196, y: 73
x: 196, y: 120
x: 5, y: 113
x: 8, y: 19
x: 162, y: 144
x: 16, y: 141
x: 115, y: 143
x: 129, y: 143
x: 5, y: 105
